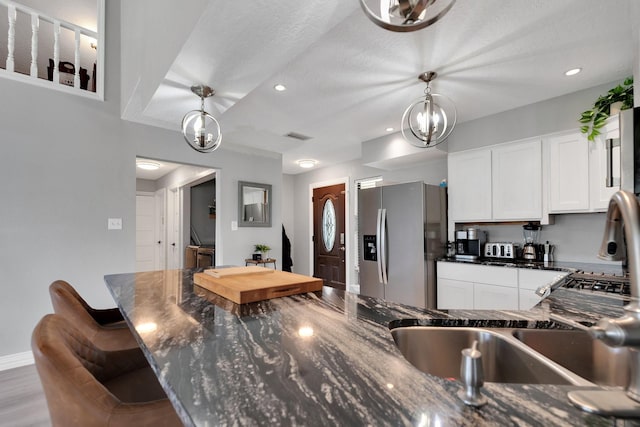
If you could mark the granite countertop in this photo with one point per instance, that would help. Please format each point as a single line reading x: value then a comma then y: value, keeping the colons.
x: 324, y: 358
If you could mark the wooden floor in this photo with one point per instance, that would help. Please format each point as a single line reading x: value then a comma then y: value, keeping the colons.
x: 22, y: 401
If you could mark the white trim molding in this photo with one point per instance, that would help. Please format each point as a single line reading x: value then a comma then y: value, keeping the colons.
x: 16, y: 360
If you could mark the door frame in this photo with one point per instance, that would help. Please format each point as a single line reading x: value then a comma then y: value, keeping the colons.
x: 347, y: 225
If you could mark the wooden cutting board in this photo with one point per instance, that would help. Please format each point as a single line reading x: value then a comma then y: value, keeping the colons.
x: 244, y: 288
x: 237, y: 271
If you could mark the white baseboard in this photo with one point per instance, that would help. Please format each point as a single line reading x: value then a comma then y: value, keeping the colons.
x: 16, y: 360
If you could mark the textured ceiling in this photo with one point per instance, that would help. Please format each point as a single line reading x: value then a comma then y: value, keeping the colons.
x: 348, y: 80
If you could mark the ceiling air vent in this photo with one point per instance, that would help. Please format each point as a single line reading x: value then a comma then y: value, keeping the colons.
x: 298, y: 136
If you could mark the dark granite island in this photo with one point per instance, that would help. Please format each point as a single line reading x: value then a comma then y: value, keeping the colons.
x: 324, y: 358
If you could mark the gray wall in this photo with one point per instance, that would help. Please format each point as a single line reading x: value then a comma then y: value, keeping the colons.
x: 68, y: 164
x: 146, y: 185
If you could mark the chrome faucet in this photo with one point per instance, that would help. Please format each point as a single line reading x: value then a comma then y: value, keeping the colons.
x: 624, y: 210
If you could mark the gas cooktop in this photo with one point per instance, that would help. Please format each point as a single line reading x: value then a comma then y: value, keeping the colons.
x: 599, y: 282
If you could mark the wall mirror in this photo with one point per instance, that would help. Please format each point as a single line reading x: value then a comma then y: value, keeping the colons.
x: 254, y: 204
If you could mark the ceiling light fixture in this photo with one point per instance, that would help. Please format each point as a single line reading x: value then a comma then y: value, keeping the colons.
x: 573, y: 72
x: 429, y: 120
x: 148, y: 166
x: 200, y: 129
x: 405, y: 15
x: 280, y: 87
x: 389, y: 129
x: 306, y: 163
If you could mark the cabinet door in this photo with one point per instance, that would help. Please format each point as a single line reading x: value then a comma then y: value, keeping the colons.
x: 517, y: 180
x: 470, y: 185
x: 490, y: 297
x: 454, y: 294
x: 568, y: 173
x: 528, y: 299
x: 600, y: 194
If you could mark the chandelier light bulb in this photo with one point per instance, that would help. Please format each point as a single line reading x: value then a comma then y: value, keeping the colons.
x: 199, y: 128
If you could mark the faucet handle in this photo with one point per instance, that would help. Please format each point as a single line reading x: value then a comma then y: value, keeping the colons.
x: 472, y: 376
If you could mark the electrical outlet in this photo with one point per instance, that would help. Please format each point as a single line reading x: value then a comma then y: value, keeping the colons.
x: 114, y: 224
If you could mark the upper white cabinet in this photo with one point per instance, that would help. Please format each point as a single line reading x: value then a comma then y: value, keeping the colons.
x: 497, y: 183
x: 470, y: 185
x: 517, y: 180
x: 568, y: 157
x: 578, y: 170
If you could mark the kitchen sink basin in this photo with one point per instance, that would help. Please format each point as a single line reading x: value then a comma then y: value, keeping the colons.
x: 437, y: 351
x: 577, y: 351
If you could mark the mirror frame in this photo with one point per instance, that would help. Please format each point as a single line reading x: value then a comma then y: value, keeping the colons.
x: 241, y: 221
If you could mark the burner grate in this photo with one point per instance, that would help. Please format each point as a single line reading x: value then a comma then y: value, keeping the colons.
x: 601, y: 283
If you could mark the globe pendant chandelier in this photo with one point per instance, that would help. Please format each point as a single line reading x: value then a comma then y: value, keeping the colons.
x: 429, y: 120
x: 405, y: 15
x: 200, y: 129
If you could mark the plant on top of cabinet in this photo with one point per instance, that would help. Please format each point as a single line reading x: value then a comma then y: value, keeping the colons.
x: 594, y: 118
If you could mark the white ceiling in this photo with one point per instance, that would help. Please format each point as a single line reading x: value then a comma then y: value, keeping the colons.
x: 348, y: 79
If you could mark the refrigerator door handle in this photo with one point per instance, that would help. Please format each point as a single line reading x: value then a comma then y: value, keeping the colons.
x: 379, y: 255
x: 383, y: 245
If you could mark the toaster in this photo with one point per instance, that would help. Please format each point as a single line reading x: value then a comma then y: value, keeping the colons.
x: 500, y: 250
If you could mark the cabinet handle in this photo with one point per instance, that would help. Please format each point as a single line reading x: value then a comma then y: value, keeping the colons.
x: 610, y: 144
x: 159, y: 241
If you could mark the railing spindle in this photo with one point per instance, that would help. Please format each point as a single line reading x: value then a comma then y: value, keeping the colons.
x: 56, y: 51
x: 76, y: 78
x: 11, y: 38
x: 35, y: 27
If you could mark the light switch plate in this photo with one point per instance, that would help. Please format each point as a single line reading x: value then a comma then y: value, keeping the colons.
x: 234, y: 225
x: 114, y: 224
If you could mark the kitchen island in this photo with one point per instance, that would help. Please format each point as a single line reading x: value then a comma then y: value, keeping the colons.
x: 324, y: 358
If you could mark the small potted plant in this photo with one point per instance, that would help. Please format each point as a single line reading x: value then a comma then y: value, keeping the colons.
x: 596, y: 117
x: 263, y: 249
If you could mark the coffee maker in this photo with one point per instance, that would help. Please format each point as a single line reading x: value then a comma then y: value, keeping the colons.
x: 469, y: 243
x: 530, y: 249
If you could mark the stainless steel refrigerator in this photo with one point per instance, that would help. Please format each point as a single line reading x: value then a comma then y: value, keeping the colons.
x: 402, y: 231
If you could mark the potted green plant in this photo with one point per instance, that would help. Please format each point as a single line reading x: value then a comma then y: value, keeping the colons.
x: 594, y: 118
x: 263, y: 249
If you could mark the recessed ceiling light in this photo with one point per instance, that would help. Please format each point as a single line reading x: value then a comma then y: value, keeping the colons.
x: 306, y: 163
x: 389, y: 129
x: 148, y: 166
x: 573, y: 72
x: 280, y: 87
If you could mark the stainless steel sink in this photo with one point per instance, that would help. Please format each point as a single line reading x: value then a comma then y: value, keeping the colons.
x: 437, y: 351
x: 577, y: 351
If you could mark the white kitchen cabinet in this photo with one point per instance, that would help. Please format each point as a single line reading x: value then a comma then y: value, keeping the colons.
x: 578, y: 168
x: 471, y: 286
x: 480, y: 287
x: 454, y: 294
x: 469, y: 185
x: 491, y: 297
x: 568, y: 160
x: 498, y: 183
x: 516, y: 171
x: 529, y: 280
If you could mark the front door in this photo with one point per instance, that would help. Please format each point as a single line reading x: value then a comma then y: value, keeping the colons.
x: 329, y: 235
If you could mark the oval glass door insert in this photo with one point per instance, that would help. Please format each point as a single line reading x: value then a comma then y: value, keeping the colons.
x: 328, y: 225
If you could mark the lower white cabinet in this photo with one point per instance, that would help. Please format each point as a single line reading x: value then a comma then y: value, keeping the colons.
x: 455, y: 294
x: 480, y: 287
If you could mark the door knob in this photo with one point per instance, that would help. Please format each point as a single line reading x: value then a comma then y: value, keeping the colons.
x: 342, y: 248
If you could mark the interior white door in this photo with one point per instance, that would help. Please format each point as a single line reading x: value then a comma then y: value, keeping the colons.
x: 173, y: 215
x: 160, y: 229
x: 145, y: 233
